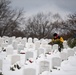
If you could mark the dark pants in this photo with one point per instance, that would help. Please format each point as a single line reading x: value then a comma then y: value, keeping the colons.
x: 59, y: 49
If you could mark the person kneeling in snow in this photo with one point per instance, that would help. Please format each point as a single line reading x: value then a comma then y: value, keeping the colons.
x: 57, y: 40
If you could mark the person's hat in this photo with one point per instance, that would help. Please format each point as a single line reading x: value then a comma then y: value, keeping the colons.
x: 55, y: 34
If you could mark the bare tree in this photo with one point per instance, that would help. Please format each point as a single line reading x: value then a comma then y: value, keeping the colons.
x: 70, y: 24
x: 10, y: 19
x: 57, y: 17
x: 41, y: 25
x: 38, y: 26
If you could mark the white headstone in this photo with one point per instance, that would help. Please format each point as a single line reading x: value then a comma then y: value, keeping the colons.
x: 48, y: 48
x: 15, y: 58
x: 74, y: 49
x: 1, y: 41
x: 4, y: 45
x: 55, y: 47
x: 37, y: 45
x: 65, y: 44
x: 64, y: 55
x: 6, y: 39
x: 18, y: 39
x: 44, y: 42
x: 9, y: 50
x: 13, y: 37
x: 23, y: 41
x: 30, y: 40
x: 10, y: 40
x: 28, y: 55
x: 44, y: 66
x: 14, y: 44
x: 20, y: 47
x: 1, y: 64
x: 40, y: 51
x: 30, y: 45
x: 0, y: 49
x: 35, y: 39
x: 56, y: 61
x: 29, y: 71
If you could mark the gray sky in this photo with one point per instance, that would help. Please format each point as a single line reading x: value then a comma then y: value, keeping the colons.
x: 31, y: 7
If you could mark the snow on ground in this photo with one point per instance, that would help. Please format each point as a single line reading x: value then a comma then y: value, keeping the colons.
x: 67, y: 67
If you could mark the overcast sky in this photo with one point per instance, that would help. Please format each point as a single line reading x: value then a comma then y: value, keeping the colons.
x: 31, y: 7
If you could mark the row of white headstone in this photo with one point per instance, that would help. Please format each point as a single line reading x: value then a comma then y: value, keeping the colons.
x: 42, y: 48
x: 53, y: 62
x: 22, y: 40
x: 45, y: 65
x: 20, y: 44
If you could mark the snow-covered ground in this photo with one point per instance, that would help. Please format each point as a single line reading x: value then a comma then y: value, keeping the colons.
x: 35, y: 57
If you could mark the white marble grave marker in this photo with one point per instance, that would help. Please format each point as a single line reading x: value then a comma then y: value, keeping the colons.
x: 37, y: 45
x: 29, y: 71
x: 64, y: 55
x: 14, y: 44
x: 29, y: 40
x: 28, y: 55
x: 15, y: 58
x: 55, y: 62
x: 44, y: 66
x: 20, y: 47
x: 1, y: 64
x: 40, y: 51
x: 55, y: 47
x: 9, y: 50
